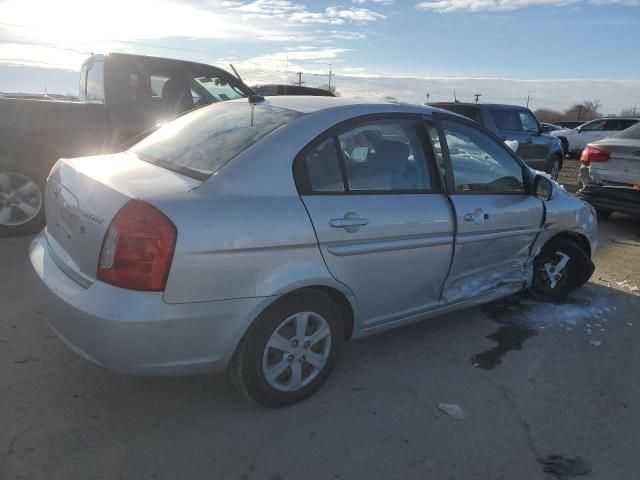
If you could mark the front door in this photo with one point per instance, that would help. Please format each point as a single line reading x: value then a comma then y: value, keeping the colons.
x: 537, y: 145
x: 497, y: 220
x: 383, y: 223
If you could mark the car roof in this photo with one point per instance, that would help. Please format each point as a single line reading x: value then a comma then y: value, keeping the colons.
x: 477, y: 105
x: 311, y: 104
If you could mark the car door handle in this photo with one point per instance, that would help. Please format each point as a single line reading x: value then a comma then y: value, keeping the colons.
x: 348, y: 222
x: 478, y: 216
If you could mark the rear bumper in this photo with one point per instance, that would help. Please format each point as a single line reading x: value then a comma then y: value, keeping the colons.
x: 619, y: 199
x: 138, y: 333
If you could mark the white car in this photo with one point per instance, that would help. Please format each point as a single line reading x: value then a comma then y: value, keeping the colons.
x: 574, y: 140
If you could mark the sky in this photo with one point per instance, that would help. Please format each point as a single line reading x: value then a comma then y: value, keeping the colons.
x: 556, y: 52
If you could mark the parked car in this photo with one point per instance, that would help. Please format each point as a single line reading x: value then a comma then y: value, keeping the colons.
x: 515, y: 124
x: 258, y: 237
x: 574, y: 140
x: 549, y: 127
x: 610, y: 173
x: 120, y: 97
x: 273, y: 90
x: 569, y: 123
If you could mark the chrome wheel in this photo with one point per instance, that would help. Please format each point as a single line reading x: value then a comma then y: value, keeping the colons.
x: 556, y: 271
x: 20, y: 199
x: 296, y: 351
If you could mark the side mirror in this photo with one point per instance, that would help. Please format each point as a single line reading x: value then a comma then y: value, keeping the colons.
x: 579, y: 129
x: 359, y: 154
x: 542, y: 188
x: 543, y: 129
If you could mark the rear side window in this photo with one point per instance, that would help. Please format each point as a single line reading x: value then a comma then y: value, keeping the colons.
x: 94, y: 87
x: 201, y: 142
x: 632, y: 133
x: 505, y: 119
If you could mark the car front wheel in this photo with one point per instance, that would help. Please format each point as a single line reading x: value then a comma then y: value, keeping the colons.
x: 559, y: 268
x: 289, y: 351
x: 555, y: 167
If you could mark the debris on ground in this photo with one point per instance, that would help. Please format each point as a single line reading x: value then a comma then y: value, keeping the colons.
x: 454, y: 411
x: 563, y: 467
x: 596, y: 343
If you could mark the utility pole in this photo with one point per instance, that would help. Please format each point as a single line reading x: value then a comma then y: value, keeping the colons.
x: 528, y: 98
x: 634, y: 109
x: 455, y: 98
x: 428, y: 95
x: 299, y: 82
x: 477, y: 95
x: 330, y: 73
x: 579, y: 111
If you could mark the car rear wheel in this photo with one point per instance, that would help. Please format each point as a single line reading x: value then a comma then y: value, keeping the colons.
x: 560, y: 268
x: 289, y: 351
x: 21, y: 199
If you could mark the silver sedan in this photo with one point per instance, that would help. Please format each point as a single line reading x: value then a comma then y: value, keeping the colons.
x: 258, y: 236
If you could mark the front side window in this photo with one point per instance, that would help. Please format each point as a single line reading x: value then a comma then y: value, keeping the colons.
x: 505, y: 119
x: 480, y: 163
x: 384, y: 156
x: 595, y: 126
x: 528, y: 121
x: 201, y: 142
x: 219, y: 89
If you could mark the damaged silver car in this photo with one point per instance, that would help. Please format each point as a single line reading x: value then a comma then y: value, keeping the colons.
x: 258, y: 236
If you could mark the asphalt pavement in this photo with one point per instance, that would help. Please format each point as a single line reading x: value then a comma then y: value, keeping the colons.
x: 532, y: 380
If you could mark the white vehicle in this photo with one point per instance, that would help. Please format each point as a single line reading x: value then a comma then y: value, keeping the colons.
x: 610, y: 173
x: 574, y: 140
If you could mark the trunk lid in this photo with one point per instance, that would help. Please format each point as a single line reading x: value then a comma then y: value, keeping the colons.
x: 84, y: 194
x: 623, y: 165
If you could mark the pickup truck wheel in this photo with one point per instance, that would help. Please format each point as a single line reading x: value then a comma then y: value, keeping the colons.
x: 21, y: 200
x: 560, y: 268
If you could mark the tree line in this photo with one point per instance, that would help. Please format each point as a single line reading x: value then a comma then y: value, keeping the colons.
x: 581, y: 112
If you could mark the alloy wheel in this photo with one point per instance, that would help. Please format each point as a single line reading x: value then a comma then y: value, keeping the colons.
x: 296, y: 351
x: 20, y: 199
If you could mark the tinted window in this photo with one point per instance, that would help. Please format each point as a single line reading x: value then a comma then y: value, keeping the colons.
x: 385, y: 156
x: 627, y: 123
x: 323, y: 168
x: 201, y: 142
x: 632, y: 133
x: 95, y: 83
x: 505, y: 119
x: 528, y: 121
x: 218, y: 88
x: 480, y: 163
x: 612, y: 125
x: 595, y: 126
x: 469, y: 112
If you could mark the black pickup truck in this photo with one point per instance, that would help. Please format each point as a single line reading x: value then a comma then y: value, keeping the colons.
x: 121, y: 96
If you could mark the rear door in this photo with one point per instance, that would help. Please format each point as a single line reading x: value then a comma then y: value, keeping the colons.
x: 537, y: 145
x: 497, y: 220
x: 383, y: 223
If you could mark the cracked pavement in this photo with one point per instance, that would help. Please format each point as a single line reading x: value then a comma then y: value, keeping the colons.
x: 376, y: 418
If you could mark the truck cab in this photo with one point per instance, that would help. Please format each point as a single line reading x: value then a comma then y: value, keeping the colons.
x: 121, y: 97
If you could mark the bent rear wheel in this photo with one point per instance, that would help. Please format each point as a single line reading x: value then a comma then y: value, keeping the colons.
x: 289, y: 351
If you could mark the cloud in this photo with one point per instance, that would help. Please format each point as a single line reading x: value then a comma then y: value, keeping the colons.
x: 380, y: 2
x: 509, y: 5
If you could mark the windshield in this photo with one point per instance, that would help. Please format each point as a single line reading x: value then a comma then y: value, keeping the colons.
x: 632, y: 133
x: 201, y: 142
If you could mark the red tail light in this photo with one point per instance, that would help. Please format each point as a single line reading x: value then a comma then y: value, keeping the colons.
x: 138, y: 248
x: 593, y: 154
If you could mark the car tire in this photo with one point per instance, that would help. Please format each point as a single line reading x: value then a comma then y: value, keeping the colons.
x: 565, y: 145
x: 275, y: 343
x: 603, y: 213
x: 555, y: 166
x: 21, y: 198
x: 576, y: 271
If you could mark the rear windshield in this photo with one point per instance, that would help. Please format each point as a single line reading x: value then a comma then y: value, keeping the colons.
x: 632, y: 133
x: 201, y: 142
